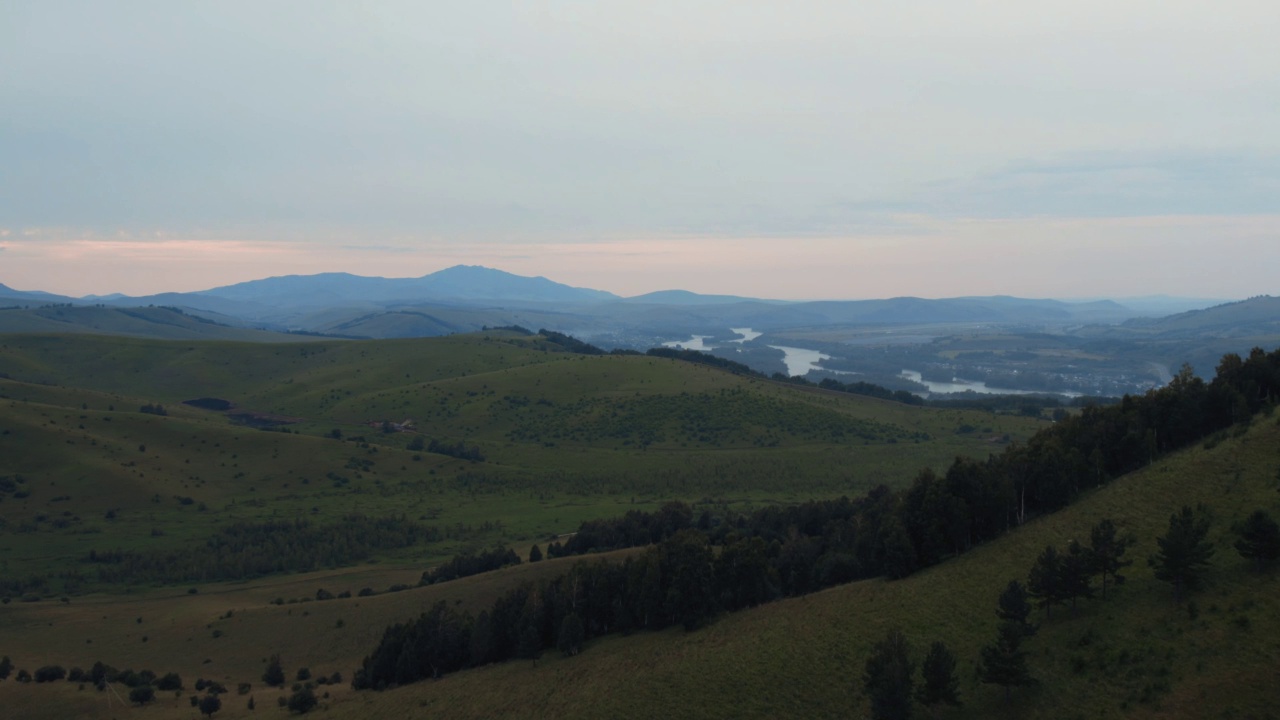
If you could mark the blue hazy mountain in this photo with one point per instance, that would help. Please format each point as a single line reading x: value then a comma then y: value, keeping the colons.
x: 461, y: 283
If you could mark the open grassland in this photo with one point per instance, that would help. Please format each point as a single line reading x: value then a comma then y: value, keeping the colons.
x: 564, y: 437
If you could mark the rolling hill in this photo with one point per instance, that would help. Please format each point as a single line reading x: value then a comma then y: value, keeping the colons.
x: 1137, y: 654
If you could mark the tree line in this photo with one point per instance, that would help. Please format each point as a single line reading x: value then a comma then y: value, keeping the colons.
x: 253, y: 549
x: 779, y: 551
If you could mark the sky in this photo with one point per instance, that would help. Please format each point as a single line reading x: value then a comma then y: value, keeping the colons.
x: 797, y: 150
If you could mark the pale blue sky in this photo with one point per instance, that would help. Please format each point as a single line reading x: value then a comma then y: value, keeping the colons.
x: 807, y: 149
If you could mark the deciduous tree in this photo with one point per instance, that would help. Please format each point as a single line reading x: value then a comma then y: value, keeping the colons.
x: 1259, y: 538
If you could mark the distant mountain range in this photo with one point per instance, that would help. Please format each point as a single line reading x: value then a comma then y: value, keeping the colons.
x: 465, y: 298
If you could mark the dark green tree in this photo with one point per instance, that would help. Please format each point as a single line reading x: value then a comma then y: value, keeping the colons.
x: 1106, y: 552
x: 572, y: 635
x: 1005, y: 663
x: 888, y: 678
x: 535, y: 553
x: 938, y: 672
x: 210, y: 704
x: 142, y: 694
x: 898, y: 552
x: 1184, y: 552
x: 302, y: 701
x: 6, y: 667
x: 686, y: 559
x: 274, y: 675
x: 1015, y: 607
x: 1259, y: 538
x: 1076, y: 574
x: 1044, y: 583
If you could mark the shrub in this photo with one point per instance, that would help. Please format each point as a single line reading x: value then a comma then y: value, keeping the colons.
x: 302, y: 701
x: 170, y: 681
x: 50, y: 673
x: 142, y: 694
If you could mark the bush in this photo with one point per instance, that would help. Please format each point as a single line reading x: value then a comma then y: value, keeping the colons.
x: 50, y: 673
x: 304, y: 674
x: 170, y: 681
x: 210, y: 704
x: 274, y: 676
x: 302, y: 701
x: 142, y: 694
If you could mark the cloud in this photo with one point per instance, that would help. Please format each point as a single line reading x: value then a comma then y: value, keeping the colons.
x: 1116, y: 184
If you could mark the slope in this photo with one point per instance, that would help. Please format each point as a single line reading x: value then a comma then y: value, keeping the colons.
x: 1135, y: 655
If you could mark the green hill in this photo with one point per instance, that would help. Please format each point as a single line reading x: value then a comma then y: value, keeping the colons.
x: 165, y: 323
x: 531, y: 442
x: 1137, y: 654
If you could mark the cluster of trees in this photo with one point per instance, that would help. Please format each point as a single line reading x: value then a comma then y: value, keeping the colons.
x: 678, y: 582
x: 471, y: 563
x: 871, y: 390
x: 156, y: 409
x: 570, y: 343
x: 780, y: 551
x: 701, y: 358
x: 460, y: 450
x: 889, y: 678
x: 253, y: 549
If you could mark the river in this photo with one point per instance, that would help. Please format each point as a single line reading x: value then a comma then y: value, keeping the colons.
x: 957, y: 386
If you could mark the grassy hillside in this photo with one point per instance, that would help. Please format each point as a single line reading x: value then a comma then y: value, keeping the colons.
x: 1136, y: 654
x: 148, y: 322
x: 564, y: 437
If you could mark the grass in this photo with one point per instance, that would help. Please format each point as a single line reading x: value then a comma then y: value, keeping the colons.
x: 561, y: 435
x: 1135, y: 655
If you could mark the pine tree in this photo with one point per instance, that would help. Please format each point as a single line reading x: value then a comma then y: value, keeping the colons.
x: 1184, y: 552
x: 1076, y: 574
x: 1045, y: 580
x: 1259, y: 538
x: 535, y: 553
x: 939, y: 675
x: 1005, y: 663
x: 1106, y: 551
x: 888, y: 678
x: 6, y: 667
x: 1015, y: 607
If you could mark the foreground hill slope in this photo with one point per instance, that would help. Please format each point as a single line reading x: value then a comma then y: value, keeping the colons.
x: 1136, y: 654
